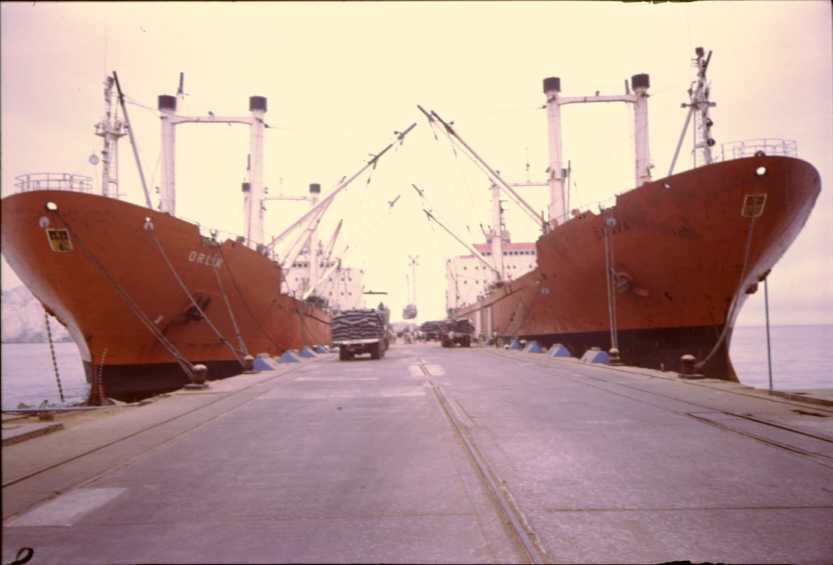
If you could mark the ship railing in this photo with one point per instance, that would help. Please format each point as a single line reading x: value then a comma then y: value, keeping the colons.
x: 219, y: 236
x: 753, y: 147
x: 53, y: 181
x: 601, y: 205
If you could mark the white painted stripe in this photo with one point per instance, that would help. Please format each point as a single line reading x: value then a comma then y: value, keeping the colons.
x: 284, y: 394
x: 435, y: 370
x: 415, y: 371
x: 67, y: 508
x: 335, y: 379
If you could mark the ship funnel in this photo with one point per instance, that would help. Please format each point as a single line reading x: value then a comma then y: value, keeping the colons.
x: 167, y: 102
x: 552, y: 84
x: 245, y: 187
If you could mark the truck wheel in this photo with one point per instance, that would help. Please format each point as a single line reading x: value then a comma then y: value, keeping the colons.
x: 466, y: 341
x: 375, y: 351
x: 344, y: 355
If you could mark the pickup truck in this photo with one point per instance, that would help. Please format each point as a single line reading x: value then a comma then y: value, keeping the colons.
x: 457, y: 332
x: 360, y: 331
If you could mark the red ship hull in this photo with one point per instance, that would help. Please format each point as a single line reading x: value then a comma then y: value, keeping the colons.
x: 687, y: 250
x: 113, y: 273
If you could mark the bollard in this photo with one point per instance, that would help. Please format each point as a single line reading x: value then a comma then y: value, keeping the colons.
x: 199, y: 374
x: 613, y: 357
x: 687, y: 368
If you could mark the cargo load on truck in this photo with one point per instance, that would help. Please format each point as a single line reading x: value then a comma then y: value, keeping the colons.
x: 360, y: 331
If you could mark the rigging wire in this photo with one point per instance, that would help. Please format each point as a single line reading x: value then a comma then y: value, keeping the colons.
x: 462, y: 173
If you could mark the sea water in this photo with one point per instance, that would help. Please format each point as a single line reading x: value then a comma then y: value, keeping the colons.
x: 28, y: 375
x: 802, y: 358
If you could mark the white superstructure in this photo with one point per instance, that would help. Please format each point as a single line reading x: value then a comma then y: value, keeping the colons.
x: 342, y: 288
x: 468, y: 279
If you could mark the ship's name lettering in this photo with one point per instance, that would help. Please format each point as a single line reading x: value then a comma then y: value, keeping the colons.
x: 203, y: 259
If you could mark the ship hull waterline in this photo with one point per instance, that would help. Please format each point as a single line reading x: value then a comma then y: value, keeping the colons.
x: 687, y: 250
x: 120, y: 269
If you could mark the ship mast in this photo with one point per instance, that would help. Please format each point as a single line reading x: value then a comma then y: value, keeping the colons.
x: 110, y: 129
x: 314, y: 192
x: 698, y: 95
x: 497, y: 233
x: 700, y: 104
x: 253, y: 190
x: 642, y: 158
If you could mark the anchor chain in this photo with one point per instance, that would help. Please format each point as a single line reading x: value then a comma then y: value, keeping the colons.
x: 52, y: 352
x: 97, y: 387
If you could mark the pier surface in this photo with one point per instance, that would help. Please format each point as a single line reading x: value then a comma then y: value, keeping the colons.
x: 431, y: 455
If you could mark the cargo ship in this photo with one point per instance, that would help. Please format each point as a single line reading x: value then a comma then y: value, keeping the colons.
x: 149, y: 297
x: 664, y: 271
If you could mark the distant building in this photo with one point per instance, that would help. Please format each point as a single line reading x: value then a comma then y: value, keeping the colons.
x: 468, y: 279
x: 343, y: 288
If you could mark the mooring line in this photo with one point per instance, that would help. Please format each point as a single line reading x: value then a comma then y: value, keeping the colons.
x: 184, y: 363
x: 511, y: 516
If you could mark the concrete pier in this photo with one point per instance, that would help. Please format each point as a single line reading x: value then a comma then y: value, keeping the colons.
x: 432, y: 455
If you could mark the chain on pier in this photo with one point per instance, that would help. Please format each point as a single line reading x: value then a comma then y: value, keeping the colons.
x: 52, y: 352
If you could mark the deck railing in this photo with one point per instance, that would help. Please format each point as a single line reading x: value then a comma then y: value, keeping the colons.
x: 752, y: 147
x: 53, y: 181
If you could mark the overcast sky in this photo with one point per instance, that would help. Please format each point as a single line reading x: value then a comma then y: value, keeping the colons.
x: 341, y: 77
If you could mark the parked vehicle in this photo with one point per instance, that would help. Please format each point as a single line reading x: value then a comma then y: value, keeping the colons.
x: 360, y: 331
x: 459, y: 332
x: 430, y: 330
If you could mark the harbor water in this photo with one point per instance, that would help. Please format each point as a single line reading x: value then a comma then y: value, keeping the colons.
x: 801, y: 356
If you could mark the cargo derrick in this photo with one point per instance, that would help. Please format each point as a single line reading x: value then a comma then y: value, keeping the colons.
x: 148, y: 297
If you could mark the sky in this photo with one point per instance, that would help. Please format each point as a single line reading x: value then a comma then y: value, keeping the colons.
x: 340, y: 78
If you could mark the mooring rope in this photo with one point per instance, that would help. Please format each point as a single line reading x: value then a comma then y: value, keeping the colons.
x: 735, y: 300
x: 243, y: 298
x: 52, y: 352
x: 150, y: 228
x: 134, y: 308
x: 230, y: 312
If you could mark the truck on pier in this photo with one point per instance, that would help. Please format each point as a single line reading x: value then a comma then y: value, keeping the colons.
x: 456, y: 332
x: 360, y: 331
